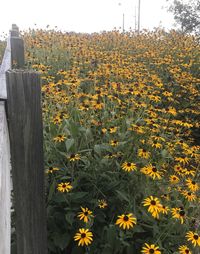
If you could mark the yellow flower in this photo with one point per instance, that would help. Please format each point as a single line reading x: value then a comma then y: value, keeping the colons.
x: 189, y: 195
x: 62, y: 187
x: 184, y: 160
x: 85, y: 215
x: 74, y: 157
x: 192, y: 185
x: 174, y: 179
x: 102, y: 203
x: 151, y: 171
x: 154, y: 206
x: 59, y: 138
x: 52, y: 169
x: 112, y: 129
x: 129, y: 166
x: 184, y: 250
x: 164, y: 209
x: 84, y: 236
x: 150, y: 249
x: 143, y: 153
x: 193, y: 237
x: 178, y: 213
x: 114, y: 143
x: 126, y: 221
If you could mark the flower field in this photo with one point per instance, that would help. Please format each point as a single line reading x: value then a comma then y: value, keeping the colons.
x: 121, y: 116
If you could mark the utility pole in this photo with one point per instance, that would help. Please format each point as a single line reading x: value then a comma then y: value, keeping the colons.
x: 123, y: 23
x: 139, y: 5
x: 135, y: 17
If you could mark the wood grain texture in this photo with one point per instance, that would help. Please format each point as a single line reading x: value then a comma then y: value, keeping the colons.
x: 25, y: 127
x: 5, y: 65
x: 17, y: 52
x: 5, y: 203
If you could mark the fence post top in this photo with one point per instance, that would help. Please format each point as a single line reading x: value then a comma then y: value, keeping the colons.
x: 14, y: 32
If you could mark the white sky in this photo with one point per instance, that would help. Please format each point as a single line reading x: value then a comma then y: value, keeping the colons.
x: 82, y: 15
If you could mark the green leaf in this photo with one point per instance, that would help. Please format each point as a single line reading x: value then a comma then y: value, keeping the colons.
x: 122, y: 196
x: 70, y: 217
x: 51, y: 190
x: 61, y: 240
x: 78, y: 196
x: 69, y: 143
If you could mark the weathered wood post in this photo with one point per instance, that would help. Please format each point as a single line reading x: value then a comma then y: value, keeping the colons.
x: 17, y: 48
x: 26, y: 135
x: 5, y: 224
x: 20, y: 94
x: 5, y: 203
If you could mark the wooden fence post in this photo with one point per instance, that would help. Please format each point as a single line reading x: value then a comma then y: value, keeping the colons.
x: 5, y: 203
x: 17, y: 48
x: 25, y: 128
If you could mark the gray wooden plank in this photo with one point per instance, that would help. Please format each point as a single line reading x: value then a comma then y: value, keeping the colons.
x: 5, y: 203
x: 25, y: 127
x: 5, y: 65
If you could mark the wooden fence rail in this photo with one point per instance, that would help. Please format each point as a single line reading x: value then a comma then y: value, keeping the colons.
x: 20, y: 97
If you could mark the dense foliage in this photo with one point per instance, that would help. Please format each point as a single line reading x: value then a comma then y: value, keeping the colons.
x: 187, y: 15
x: 121, y: 119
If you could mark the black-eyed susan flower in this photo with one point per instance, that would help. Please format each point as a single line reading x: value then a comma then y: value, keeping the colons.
x: 190, y: 196
x: 178, y: 169
x: 183, y: 159
x: 126, y: 221
x: 154, y: 206
x: 114, y: 143
x: 85, y: 215
x: 74, y: 157
x: 156, y: 144
x: 64, y: 187
x: 52, y: 169
x: 143, y: 153
x: 178, y: 213
x: 183, y: 249
x: 192, y: 185
x: 174, y: 179
x: 164, y: 209
x: 112, y: 129
x: 129, y: 166
x: 84, y: 237
x: 102, y: 203
x: 193, y: 237
x: 152, y: 171
x: 150, y: 249
x: 60, y: 138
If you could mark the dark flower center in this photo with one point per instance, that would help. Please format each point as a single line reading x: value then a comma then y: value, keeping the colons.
x: 154, y: 169
x: 86, y: 213
x: 126, y: 218
x: 153, y: 202
x: 189, y: 193
x: 193, y: 182
x: 72, y: 156
x: 151, y: 251
x: 187, y: 251
x: 64, y: 185
x: 83, y: 235
x: 182, y: 213
x: 144, y: 151
x: 195, y: 237
x: 128, y: 164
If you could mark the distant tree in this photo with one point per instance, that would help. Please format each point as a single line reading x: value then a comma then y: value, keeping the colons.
x: 186, y: 14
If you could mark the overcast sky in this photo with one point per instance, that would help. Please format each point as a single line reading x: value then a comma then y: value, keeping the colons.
x: 82, y: 15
